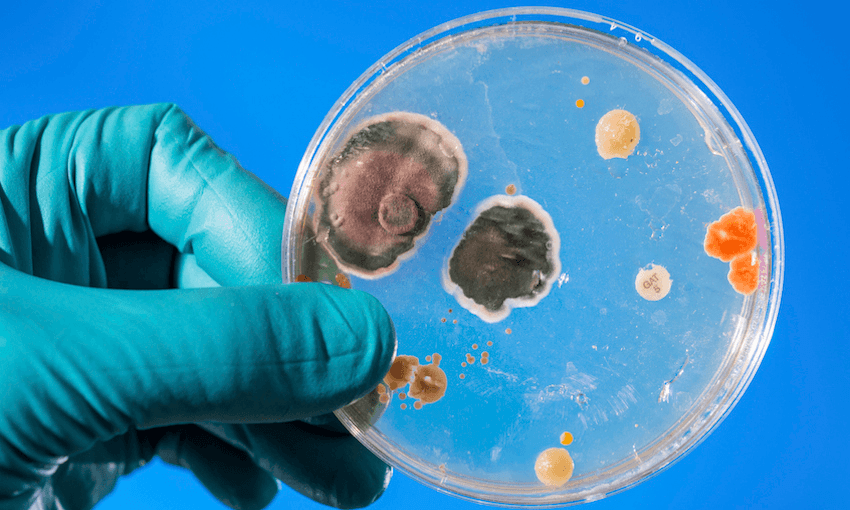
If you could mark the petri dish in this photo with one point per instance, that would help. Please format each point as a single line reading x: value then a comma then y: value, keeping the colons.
x: 576, y: 236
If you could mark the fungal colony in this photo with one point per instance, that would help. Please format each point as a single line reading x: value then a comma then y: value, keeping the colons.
x: 378, y: 194
x: 506, y: 258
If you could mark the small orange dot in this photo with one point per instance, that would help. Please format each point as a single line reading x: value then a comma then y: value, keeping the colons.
x: 489, y: 343
x: 301, y: 278
x: 580, y: 103
x: 403, y: 406
x: 402, y: 396
x: 485, y: 354
x: 566, y: 438
x: 454, y: 321
x: 463, y: 363
x: 428, y: 358
x: 384, y: 398
x: 484, y: 361
x: 585, y: 80
x: 443, y: 319
x: 470, y: 360
x: 508, y: 331
x: 462, y: 376
x: 381, y: 389
x: 417, y: 405
x: 450, y: 310
x: 343, y: 281
x: 474, y: 346
x: 510, y: 189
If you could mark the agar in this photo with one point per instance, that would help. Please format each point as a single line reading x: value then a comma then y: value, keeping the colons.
x: 506, y: 258
x: 653, y: 282
x: 734, y: 234
x: 380, y: 191
x: 744, y: 273
x: 617, y: 134
x: 554, y: 467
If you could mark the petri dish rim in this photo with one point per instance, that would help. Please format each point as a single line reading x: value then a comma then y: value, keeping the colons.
x: 734, y: 141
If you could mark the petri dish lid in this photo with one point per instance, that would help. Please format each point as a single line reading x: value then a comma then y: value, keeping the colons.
x: 577, y: 200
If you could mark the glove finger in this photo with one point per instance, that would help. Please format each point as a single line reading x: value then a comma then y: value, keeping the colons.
x: 74, y: 177
x: 329, y: 467
x: 227, y: 472
x: 97, y: 362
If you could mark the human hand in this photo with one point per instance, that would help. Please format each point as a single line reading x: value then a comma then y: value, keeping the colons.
x: 97, y: 375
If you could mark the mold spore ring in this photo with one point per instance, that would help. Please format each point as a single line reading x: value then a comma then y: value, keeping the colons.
x: 398, y: 233
x: 545, y: 284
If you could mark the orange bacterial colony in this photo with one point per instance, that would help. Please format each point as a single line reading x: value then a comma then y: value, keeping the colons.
x: 427, y: 382
x: 733, y: 238
x: 744, y: 273
x: 510, y: 189
x: 566, y: 438
x: 401, y: 371
x: 302, y: 278
x: 554, y: 467
x: 733, y: 234
x: 343, y: 281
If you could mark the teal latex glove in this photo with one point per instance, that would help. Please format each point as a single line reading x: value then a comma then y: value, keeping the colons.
x: 97, y: 376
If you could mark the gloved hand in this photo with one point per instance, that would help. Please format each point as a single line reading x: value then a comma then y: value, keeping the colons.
x: 94, y: 380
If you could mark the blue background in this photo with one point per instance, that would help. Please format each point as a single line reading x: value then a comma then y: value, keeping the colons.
x: 260, y: 76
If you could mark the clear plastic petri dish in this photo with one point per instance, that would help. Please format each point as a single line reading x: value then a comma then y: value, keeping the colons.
x: 576, y: 236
